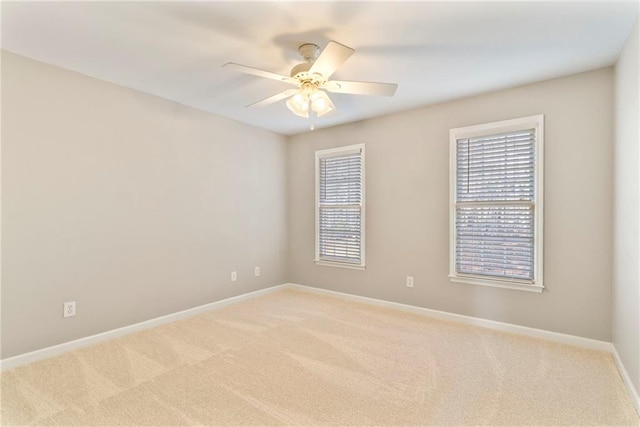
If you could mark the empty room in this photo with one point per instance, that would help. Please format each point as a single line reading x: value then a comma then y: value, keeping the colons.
x: 320, y: 213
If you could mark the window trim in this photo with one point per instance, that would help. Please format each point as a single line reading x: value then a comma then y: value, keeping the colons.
x: 344, y: 150
x: 535, y: 122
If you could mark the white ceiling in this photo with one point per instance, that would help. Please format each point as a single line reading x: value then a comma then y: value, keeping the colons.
x: 435, y: 51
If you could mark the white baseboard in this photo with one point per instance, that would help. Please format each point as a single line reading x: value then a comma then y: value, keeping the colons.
x: 33, y: 356
x: 469, y: 320
x: 626, y: 379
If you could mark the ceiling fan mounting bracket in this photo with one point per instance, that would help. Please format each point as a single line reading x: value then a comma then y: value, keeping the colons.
x: 309, y: 52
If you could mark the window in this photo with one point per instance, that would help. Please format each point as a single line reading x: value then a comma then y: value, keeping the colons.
x: 496, y: 204
x: 340, y: 207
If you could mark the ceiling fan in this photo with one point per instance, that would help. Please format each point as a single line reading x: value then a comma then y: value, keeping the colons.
x: 311, y: 79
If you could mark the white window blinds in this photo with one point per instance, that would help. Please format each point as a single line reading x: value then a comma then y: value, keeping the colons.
x: 340, y: 206
x: 494, y: 207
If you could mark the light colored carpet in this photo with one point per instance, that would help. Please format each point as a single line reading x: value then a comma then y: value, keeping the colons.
x: 294, y: 358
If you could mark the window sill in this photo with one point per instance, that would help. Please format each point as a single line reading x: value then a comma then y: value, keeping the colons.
x: 496, y: 283
x: 339, y: 265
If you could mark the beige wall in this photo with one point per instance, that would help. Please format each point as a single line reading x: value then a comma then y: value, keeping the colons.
x: 407, y: 182
x: 136, y: 207
x: 130, y: 205
x: 626, y: 247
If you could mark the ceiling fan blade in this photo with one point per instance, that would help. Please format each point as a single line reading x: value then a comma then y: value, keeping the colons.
x: 333, y: 55
x: 260, y: 73
x: 275, y: 98
x: 361, y: 88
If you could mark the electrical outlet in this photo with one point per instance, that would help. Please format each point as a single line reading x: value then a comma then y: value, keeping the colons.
x: 234, y: 276
x: 69, y: 309
x: 257, y: 271
x: 409, y: 281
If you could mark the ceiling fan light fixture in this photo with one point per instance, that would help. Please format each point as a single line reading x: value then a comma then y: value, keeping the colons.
x: 299, y: 104
x: 321, y: 103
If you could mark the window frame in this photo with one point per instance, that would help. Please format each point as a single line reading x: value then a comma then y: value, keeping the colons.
x: 331, y: 152
x: 535, y: 122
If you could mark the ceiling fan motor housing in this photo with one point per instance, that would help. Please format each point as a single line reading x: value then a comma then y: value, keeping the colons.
x: 309, y: 52
x: 301, y: 68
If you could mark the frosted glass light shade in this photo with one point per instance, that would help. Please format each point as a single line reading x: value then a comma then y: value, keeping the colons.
x: 321, y: 103
x: 299, y: 105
